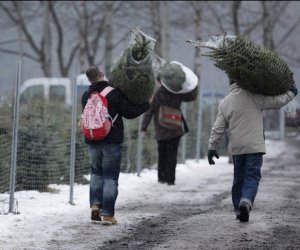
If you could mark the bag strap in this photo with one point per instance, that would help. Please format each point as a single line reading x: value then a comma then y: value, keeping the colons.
x: 115, y: 118
x: 104, y: 93
x: 106, y: 90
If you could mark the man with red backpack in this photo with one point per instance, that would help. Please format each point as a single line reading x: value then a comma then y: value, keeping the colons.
x: 105, y: 151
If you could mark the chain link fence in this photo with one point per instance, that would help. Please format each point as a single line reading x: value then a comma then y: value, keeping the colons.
x: 44, y: 139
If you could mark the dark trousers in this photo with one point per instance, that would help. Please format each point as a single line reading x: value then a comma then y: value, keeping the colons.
x: 167, y: 160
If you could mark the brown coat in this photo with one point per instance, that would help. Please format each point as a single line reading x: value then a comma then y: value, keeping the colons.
x: 164, y: 97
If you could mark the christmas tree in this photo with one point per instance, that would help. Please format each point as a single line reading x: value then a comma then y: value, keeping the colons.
x: 132, y: 72
x: 254, y: 68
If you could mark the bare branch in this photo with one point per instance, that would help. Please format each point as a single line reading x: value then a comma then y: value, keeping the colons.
x: 120, y: 40
x: 288, y: 32
x: 13, y: 52
x: 64, y: 69
x: 217, y: 16
x: 28, y: 36
x: 9, y: 41
x: 235, y: 16
x: 253, y: 26
x: 72, y: 56
x: 8, y: 13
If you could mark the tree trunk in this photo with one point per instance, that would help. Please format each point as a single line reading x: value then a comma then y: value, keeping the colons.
x: 165, y: 31
x: 156, y: 24
x: 82, y: 33
x: 47, y: 40
x: 20, y: 33
x: 235, y: 16
x: 270, y: 116
x: 268, y: 41
x: 108, y: 38
x: 197, y: 8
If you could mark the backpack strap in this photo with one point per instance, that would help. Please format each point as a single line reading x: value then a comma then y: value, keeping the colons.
x: 104, y: 93
x: 115, y: 118
x: 106, y: 90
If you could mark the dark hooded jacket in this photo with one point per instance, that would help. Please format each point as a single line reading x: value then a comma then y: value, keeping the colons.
x: 167, y: 98
x: 117, y: 104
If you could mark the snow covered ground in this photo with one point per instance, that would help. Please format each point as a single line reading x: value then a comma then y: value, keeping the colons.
x: 48, y: 218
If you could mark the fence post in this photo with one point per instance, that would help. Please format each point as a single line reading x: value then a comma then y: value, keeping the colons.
x: 212, y: 111
x: 13, y: 163
x: 139, y: 147
x: 73, y: 140
x: 199, y: 124
x: 183, y: 145
x: 282, y: 124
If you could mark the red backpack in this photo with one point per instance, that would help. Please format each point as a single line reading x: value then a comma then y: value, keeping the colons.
x: 96, y: 121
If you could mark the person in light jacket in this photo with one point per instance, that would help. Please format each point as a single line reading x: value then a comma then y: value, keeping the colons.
x: 240, y: 113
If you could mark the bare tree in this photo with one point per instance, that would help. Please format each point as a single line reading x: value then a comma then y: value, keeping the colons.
x: 272, y: 13
x: 111, y: 7
x: 82, y: 35
x: 64, y: 65
x: 165, y: 31
x: 156, y: 26
x: 217, y: 14
x: 197, y: 7
x: 92, y: 25
x: 96, y: 25
x: 13, y: 11
x: 235, y: 11
x: 25, y: 17
x: 268, y: 25
x: 47, y: 36
x: 198, y: 31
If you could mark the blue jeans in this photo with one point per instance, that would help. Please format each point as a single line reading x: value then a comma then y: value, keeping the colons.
x: 247, y: 175
x: 105, y: 171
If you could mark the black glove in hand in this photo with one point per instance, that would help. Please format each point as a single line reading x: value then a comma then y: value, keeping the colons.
x: 210, y: 155
x: 294, y: 89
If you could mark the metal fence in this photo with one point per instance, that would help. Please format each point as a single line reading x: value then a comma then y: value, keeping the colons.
x: 42, y: 145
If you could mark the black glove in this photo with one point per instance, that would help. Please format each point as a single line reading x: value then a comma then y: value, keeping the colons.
x: 294, y: 89
x: 210, y: 155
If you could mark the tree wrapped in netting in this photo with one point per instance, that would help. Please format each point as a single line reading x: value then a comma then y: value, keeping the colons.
x: 177, y: 78
x: 132, y: 72
x: 252, y: 67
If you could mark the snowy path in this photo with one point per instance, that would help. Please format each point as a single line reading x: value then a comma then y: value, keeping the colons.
x: 196, y: 213
x: 274, y: 223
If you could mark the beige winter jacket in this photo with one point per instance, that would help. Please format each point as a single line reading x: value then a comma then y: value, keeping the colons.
x: 241, y: 114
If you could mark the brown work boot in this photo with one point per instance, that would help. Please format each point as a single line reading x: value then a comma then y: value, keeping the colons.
x: 95, y: 212
x: 109, y: 220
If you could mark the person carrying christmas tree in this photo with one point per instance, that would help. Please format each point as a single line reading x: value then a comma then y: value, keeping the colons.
x: 106, y: 153
x: 177, y: 84
x: 240, y: 113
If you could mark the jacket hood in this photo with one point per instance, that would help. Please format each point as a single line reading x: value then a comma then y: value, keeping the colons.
x: 97, y: 86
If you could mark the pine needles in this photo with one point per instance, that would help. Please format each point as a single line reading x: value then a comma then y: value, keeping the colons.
x: 132, y: 72
x: 140, y: 49
x: 254, y: 68
x: 172, y: 76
